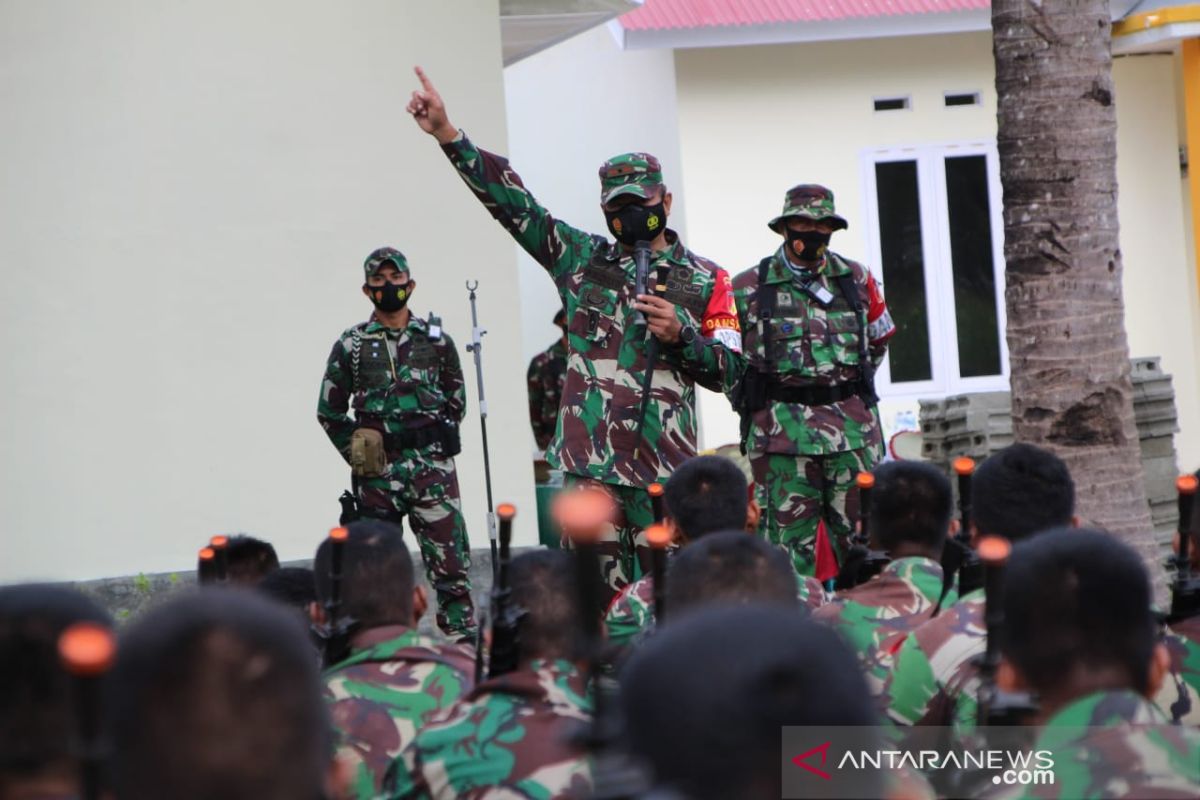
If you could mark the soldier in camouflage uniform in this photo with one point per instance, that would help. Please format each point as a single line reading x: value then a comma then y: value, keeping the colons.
x: 402, y: 376
x: 519, y: 734
x: 597, y: 435
x: 394, y: 680
x: 910, y: 520
x: 1093, y: 664
x: 816, y: 326
x: 546, y: 375
x: 1018, y: 493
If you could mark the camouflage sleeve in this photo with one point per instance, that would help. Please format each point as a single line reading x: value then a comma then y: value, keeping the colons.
x: 551, y: 242
x: 715, y: 358
x: 911, y: 687
x: 880, y: 327
x: 406, y: 777
x: 454, y: 388
x: 537, y: 403
x: 334, y: 403
x: 626, y: 618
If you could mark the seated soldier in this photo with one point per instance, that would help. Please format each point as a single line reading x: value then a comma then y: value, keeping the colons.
x: 1016, y: 493
x: 250, y: 559
x: 728, y: 569
x: 910, y: 519
x: 706, y: 494
x: 1079, y: 634
x: 705, y: 700
x: 394, y: 680
x: 215, y: 694
x: 519, y: 734
x: 37, y: 722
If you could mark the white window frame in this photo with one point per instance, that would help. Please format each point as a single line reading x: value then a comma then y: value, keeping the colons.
x: 939, y: 275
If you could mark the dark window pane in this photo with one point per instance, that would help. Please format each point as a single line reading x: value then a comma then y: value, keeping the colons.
x: 971, y: 261
x: 903, y: 269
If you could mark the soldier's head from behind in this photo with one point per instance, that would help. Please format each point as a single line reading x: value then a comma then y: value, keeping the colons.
x: 705, y: 495
x: 911, y: 506
x: 634, y: 199
x: 729, y: 568
x: 216, y: 694
x: 1077, y: 620
x: 249, y: 559
x: 387, y: 281
x: 1020, y: 491
x: 807, y: 223
x: 37, y: 718
x: 705, y: 700
x: 543, y: 587
x: 378, y: 585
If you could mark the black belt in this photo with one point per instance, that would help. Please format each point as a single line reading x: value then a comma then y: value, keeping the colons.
x: 415, y: 438
x: 813, y: 395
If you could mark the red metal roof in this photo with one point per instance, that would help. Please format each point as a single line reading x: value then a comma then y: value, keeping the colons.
x: 683, y: 14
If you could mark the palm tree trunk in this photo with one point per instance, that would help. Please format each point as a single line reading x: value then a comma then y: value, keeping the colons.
x: 1057, y: 126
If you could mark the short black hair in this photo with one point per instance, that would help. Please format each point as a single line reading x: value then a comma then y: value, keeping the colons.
x: 292, y: 586
x: 707, y: 494
x: 1077, y: 599
x: 249, y: 559
x: 705, y: 699
x: 1022, y: 490
x: 217, y: 694
x: 37, y: 722
x: 729, y: 568
x: 910, y: 504
x: 377, y: 574
x: 543, y: 586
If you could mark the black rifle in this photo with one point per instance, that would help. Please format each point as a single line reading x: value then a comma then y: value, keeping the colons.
x: 506, y: 617
x: 351, y: 511
x: 335, y: 633
x: 659, y: 538
x: 656, y: 492
x: 1185, y: 588
x: 220, y: 548
x: 862, y: 563
x: 475, y: 348
x: 958, y: 559
x: 641, y: 259
x: 87, y: 651
x: 995, y: 706
x: 206, y: 567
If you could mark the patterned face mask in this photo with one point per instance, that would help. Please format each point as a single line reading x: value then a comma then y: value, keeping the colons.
x: 389, y: 297
x: 807, y: 245
x: 635, y: 223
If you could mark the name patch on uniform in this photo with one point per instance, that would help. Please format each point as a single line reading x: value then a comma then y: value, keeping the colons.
x: 606, y: 274
x: 682, y: 292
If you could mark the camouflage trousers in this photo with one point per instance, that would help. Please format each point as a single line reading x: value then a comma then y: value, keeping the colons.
x: 794, y: 492
x: 425, y: 489
x: 624, y: 551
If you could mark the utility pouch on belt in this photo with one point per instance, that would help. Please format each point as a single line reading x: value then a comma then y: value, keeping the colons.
x: 367, y: 458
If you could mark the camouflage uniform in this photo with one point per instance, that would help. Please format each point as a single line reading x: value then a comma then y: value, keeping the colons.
x: 933, y: 680
x: 1115, y: 745
x: 805, y: 455
x: 405, y: 383
x: 632, y: 611
x: 394, y: 682
x: 606, y: 348
x: 546, y: 375
x: 513, y: 736
x: 875, y: 617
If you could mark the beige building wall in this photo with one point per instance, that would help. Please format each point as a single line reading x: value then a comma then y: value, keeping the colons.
x: 756, y: 120
x: 187, y: 195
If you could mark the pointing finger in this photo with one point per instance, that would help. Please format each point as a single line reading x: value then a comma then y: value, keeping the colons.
x: 426, y: 84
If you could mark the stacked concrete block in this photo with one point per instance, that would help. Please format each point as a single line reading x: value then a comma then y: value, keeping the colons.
x: 977, y: 425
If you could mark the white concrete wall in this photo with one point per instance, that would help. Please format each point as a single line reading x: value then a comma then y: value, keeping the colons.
x: 755, y: 120
x: 187, y: 194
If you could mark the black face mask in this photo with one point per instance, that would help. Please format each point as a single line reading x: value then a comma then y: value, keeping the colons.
x: 637, y: 223
x: 390, y: 297
x: 807, y: 245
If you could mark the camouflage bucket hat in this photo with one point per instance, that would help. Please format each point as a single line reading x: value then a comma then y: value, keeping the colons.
x: 811, y: 201
x: 382, y: 257
x: 638, y: 174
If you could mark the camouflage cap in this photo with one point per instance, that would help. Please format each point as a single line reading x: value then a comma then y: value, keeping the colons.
x: 384, y: 256
x: 638, y: 174
x: 811, y: 201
